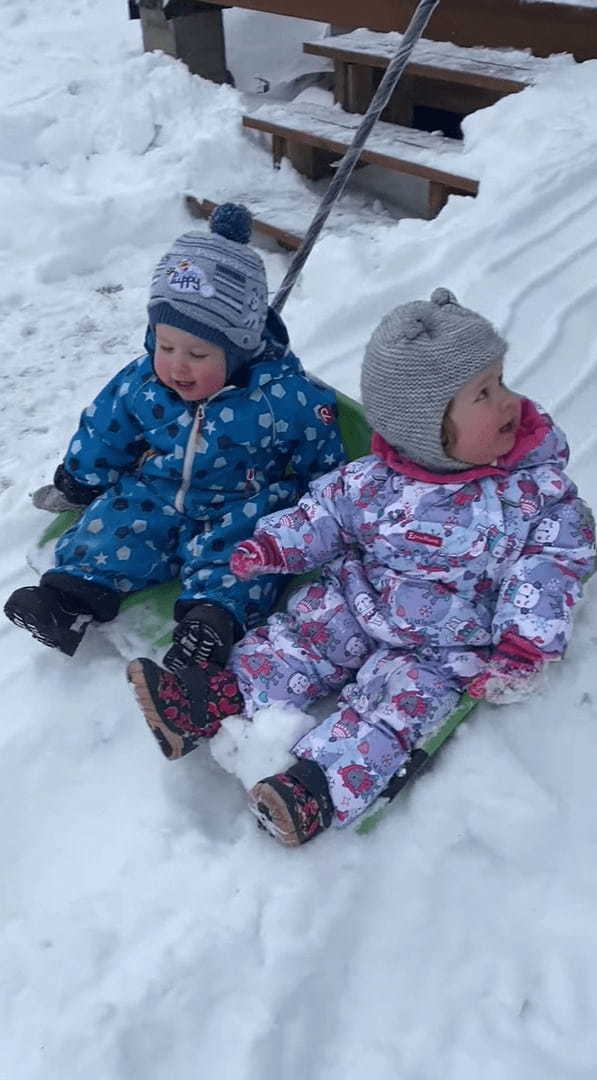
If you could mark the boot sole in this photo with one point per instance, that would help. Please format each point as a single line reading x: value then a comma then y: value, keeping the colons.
x: 273, y: 815
x: 41, y: 633
x: 171, y: 744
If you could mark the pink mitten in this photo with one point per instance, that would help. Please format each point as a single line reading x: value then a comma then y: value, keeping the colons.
x: 512, y: 673
x: 257, y: 556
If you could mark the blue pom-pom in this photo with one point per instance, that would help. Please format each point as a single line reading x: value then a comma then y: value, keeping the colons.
x: 233, y: 221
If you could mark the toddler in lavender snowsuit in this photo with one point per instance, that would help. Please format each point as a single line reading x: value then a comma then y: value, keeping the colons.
x: 451, y: 559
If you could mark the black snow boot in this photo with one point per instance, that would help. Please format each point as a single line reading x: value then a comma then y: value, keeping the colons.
x: 293, y: 806
x: 205, y: 633
x: 54, y: 618
x: 182, y: 710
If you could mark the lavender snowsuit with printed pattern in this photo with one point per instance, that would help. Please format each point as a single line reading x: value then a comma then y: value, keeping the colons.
x: 423, y: 575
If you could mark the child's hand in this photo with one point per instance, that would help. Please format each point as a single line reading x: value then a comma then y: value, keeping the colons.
x: 253, y: 557
x: 506, y: 679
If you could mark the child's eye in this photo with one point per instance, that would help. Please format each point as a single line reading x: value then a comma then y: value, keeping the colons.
x: 482, y: 394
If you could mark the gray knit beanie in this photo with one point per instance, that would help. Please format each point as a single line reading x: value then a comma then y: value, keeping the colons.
x: 214, y: 286
x: 417, y: 359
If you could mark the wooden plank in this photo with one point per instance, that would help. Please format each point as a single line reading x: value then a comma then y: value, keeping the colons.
x: 484, y: 68
x: 286, y: 239
x: 401, y: 149
x: 545, y: 28
x: 285, y: 216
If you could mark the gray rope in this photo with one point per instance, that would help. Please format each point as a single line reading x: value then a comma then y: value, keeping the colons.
x: 379, y: 101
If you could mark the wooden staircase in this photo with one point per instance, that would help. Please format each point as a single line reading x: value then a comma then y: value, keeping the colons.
x: 441, y: 84
x: 327, y: 134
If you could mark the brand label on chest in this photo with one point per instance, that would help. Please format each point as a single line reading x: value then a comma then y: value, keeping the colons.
x: 423, y: 538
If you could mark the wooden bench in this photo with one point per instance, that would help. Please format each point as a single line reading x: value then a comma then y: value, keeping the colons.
x: 314, y: 136
x: 439, y: 75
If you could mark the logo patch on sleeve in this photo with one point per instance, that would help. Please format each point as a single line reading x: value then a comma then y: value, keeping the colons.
x: 423, y: 538
x: 325, y: 413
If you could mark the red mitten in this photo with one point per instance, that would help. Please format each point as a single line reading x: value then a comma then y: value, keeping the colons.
x: 512, y: 673
x: 253, y: 557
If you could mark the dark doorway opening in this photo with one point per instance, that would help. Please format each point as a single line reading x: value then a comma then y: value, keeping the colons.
x: 428, y: 119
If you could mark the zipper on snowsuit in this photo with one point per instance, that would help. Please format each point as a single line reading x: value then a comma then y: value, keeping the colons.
x: 189, y: 454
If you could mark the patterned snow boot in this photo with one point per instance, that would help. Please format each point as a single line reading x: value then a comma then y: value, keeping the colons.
x: 293, y: 806
x: 54, y: 618
x: 205, y: 633
x: 183, y: 709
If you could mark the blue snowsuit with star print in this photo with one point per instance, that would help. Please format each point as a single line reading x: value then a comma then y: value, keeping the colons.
x: 176, y: 485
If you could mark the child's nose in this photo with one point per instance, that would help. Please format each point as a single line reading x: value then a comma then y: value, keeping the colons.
x: 509, y: 398
x: 179, y: 363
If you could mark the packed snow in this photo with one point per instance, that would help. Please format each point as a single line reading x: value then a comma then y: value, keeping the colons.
x: 149, y: 931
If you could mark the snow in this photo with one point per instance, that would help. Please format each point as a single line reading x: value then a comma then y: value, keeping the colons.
x: 514, y: 64
x: 149, y: 931
x: 275, y: 55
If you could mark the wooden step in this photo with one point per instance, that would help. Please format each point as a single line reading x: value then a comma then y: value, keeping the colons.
x: 202, y: 208
x: 330, y: 131
x: 503, y: 70
x: 285, y: 218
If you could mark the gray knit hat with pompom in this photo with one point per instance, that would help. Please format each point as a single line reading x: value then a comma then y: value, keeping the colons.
x: 214, y: 286
x: 417, y: 359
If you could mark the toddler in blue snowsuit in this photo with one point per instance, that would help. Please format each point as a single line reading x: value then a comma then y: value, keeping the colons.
x: 182, y: 452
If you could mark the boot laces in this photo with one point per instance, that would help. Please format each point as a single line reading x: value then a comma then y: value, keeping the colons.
x: 194, y: 642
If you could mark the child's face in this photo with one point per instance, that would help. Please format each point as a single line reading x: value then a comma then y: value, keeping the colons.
x: 194, y: 368
x: 485, y: 416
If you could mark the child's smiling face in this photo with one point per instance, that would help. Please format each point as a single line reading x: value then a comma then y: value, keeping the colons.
x: 194, y: 368
x: 484, y: 416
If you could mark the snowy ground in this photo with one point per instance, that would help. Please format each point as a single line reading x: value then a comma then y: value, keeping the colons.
x: 148, y: 931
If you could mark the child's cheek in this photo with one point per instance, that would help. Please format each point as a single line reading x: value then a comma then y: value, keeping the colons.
x: 212, y: 382
x: 162, y: 369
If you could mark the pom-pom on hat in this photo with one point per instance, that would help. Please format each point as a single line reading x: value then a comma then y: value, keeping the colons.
x: 214, y: 286
x: 417, y: 359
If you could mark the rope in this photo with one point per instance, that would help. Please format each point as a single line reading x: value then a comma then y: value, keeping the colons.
x: 379, y: 101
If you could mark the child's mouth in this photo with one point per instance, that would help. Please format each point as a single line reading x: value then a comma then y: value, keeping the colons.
x: 508, y: 429
x: 186, y: 386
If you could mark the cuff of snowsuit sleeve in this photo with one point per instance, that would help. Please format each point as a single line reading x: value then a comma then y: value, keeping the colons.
x: 102, y: 603
x: 80, y: 494
x: 182, y: 608
x: 516, y: 647
x: 271, y: 550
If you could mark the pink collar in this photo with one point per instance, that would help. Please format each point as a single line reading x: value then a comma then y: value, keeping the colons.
x: 534, y: 426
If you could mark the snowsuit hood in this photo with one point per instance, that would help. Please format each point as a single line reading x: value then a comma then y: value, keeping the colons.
x: 275, y: 340
x: 535, y: 432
